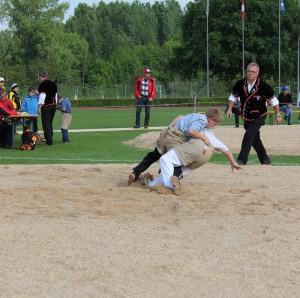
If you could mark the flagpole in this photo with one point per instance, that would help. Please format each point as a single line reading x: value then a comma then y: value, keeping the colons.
x: 243, y: 35
x: 279, y: 44
x: 298, y: 75
x: 207, y: 49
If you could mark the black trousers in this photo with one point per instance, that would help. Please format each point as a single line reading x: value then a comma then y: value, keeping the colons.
x: 48, y: 113
x: 252, y: 138
x: 237, y: 113
x: 143, y: 102
x: 148, y: 160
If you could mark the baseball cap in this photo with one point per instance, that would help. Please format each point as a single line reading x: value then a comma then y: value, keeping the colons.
x: 284, y: 88
x: 147, y: 70
x: 14, y: 85
x: 2, y: 79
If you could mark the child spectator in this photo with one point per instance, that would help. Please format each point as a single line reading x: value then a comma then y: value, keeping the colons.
x: 30, y: 106
x: 14, y: 96
x: 66, y: 117
x: 2, y: 81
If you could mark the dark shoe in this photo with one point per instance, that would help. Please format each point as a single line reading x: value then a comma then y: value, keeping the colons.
x: 49, y: 143
x: 136, y: 126
x: 267, y: 161
x: 240, y: 162
x: 285, y: 118
x: 146, y: 126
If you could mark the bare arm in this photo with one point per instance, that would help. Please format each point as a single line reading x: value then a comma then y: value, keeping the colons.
x: 230, y: 157
x: 198, y: 135
x: 277, y: 114
x: 229, y: 109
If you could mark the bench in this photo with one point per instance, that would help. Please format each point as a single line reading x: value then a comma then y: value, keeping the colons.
x: 272, y: 114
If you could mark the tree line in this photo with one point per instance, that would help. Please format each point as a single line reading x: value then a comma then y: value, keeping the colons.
x: 110, y: 43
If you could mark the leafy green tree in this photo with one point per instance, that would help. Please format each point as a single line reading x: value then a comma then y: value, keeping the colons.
x: 225, y: 39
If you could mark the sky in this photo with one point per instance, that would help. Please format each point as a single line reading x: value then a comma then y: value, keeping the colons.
x: 74, y: 3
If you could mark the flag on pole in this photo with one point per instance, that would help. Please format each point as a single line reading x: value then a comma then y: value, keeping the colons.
x: 282, y: 8
x: 243, y: 8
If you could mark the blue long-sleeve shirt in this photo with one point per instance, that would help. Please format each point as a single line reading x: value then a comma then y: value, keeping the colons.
x: 193, y: 121
x: 30, y: 104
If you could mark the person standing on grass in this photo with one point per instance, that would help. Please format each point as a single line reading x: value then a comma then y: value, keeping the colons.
x: 145, y: 92
x: 30, y: 106
x: 47, y: 104
x: 66, y: 118
x: 255, y: 96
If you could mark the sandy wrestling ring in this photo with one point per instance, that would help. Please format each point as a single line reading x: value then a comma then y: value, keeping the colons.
x: 86, y: 233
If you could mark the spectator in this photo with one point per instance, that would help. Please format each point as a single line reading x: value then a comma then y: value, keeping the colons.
x: 2, y: 82
x: 30, y: 106
x: 145, y: 92
x: 47, y: 104
x: 66, y: 117
x: 285, y: 104
x: 5, y: 126
x: 14, y: 96
x: 254, y: 95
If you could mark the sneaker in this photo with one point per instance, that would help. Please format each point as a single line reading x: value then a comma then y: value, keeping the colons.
x: 178, y: 191
x: 145, y: 126
x: 240, y: 162
x: 136, y: 126
x: 267, y: 161
x: 146, y: 178
x: 285, y: 118
x: 132, y: 178
x: 65, y: 143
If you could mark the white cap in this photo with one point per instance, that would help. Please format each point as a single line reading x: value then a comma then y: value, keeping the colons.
x: 2, y: 79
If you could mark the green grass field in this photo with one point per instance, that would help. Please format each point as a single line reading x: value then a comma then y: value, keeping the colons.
x: 107, y: 146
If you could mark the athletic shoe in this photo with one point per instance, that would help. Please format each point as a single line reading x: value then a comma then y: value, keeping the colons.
x: 136, y: 126
x: 285, y: 118
x: 145, y: 126
x: 267, y: 161
x: 146, y: 178
x: 132, y: 178
x: 240, y: 162
x: 178, y: 191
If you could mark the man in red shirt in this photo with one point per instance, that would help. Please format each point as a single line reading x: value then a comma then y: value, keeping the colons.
x: 145, y: 92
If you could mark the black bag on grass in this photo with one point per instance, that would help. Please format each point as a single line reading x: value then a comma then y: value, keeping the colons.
x: 29, y: 140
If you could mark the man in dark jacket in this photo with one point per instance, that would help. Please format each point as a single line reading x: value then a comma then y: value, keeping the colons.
x: 47, y: 104
x: 255, y: 95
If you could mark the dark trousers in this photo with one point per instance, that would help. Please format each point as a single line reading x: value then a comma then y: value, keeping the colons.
x: 33, y: 122
x: 252, y: 138
x: 148, y: 160
x: 48, y: 113
x: 6, y: 135
x: 143, y: 102
x: 237, y: 113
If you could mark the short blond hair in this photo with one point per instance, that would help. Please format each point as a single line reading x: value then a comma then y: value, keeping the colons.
x: 215, y: 114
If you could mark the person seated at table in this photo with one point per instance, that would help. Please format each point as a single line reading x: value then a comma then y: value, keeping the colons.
x: 30, y: 106
x: 5, y: 126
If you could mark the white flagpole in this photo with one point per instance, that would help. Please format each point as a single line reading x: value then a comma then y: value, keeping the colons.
x: 298, y: 75
x: 207, y: 49
x: 243, y: 42
x: 279, y: 46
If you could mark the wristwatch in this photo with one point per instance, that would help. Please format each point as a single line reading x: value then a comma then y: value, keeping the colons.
x: 278, y: 115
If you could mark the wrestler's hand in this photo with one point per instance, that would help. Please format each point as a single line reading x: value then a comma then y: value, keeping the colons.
x: 235, y: 166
